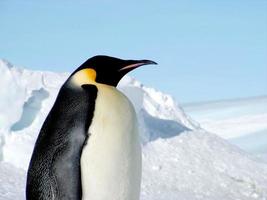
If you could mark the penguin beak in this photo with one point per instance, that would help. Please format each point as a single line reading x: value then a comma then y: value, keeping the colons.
x: 133, y: 64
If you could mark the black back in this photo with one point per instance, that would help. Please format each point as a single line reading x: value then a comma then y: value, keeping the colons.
x: 54, y: 171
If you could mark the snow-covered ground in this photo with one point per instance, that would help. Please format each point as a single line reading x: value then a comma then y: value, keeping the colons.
x: 180, y: 160
x: 243, y: 122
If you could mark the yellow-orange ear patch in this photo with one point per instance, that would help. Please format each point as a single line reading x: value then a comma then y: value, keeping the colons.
x: 84, y: 76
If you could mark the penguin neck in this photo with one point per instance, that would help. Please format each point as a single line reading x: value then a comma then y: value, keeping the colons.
x: 84, y: 76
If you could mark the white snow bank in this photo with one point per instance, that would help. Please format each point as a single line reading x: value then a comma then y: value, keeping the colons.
x: 180, y: 161
x: 199, y: 165
x: 231, y: 118
x: 40, y: 90
x: 10, y: 108
x: 192, y: 166
x: 242, y: 122
x: 12, y: 182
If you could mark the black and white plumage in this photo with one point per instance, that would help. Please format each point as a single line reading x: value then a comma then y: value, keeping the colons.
x: 88, y: 147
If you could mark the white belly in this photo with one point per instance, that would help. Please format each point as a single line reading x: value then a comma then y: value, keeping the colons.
x: 111, y: 160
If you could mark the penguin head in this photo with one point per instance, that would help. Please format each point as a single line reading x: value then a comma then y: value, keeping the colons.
x: 106, y: 70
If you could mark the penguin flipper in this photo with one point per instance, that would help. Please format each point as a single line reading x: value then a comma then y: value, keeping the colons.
x: 69, y: 179
x: 54, y: 169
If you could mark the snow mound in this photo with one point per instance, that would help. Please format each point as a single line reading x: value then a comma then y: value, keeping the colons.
x: 12, y: 182
x: 34, y: 94
x: 241, y: 121
x: 231, y: 118
x: 158, y: 114
x: 180, y: 161
x: 192, y: 166
x: 199, y: 165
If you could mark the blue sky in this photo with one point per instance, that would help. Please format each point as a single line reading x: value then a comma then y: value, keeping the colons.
x: 206, y: 50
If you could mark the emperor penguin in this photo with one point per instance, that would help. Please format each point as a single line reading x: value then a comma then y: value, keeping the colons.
x: 88, y: 147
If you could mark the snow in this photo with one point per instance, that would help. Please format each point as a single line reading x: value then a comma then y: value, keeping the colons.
x: 12, y: 182
x: 180, y: 159
x: 241, y: 121
x: 198, y: 165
